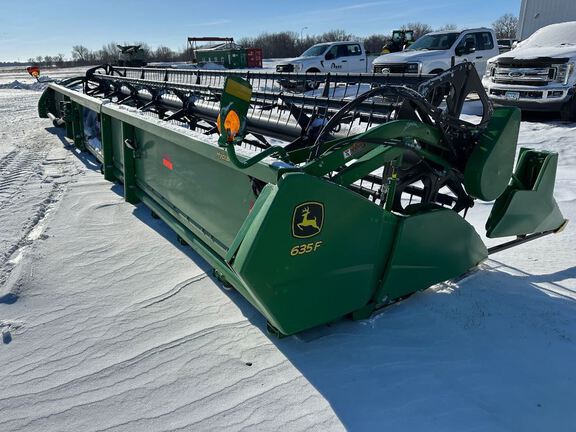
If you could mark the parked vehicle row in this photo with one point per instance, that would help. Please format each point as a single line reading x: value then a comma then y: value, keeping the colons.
x: 537, y: 74
x: 432, y: 53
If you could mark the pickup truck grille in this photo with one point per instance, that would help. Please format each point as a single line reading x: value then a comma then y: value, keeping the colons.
x: 285, y: 68
x: 531, y: 76
x: 390, y: 68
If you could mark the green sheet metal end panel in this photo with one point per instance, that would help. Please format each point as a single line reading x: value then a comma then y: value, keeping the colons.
x: 527, y: 206
x: 489, y: 168
x: 313, y: 253
x: 431, y: 247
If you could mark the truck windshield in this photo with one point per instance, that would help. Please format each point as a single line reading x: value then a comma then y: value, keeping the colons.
x: 439, y: 41
x: 553, y: 35
x: 314, y: 51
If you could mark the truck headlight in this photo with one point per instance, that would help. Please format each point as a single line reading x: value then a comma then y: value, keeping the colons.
x: 297, y: 67
x: 564, y: 72
x: 413, y: 68
x: 489, y: 70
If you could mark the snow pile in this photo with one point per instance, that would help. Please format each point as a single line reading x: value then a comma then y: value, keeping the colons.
x: 39, y: 85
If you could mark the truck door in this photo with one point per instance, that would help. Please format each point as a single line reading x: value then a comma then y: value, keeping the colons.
x: 485, y: 49
x: 336, y: 59
x: 483, y: 45
x: 356, y: 59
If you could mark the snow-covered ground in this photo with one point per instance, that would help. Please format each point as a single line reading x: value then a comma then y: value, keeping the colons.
x: 109, y: 324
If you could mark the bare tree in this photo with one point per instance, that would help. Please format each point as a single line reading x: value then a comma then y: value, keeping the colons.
x: 506, y: 26
x: 420, y: 29
x: 375, y: 43
x: 59, y: 60
x: 110, y: 53
x: 335, y: 35
x: 48, y: 60
x: 80, y: 53
x: 282, y: 44
x: 164, y: 54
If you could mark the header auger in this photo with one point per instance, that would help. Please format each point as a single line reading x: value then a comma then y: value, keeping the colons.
x: 319, y: 205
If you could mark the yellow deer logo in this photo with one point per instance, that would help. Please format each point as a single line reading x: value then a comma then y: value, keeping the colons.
x: 308, y: 219
x: 307, y: 222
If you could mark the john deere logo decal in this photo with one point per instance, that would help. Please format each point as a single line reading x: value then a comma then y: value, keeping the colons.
x: 307, y: 219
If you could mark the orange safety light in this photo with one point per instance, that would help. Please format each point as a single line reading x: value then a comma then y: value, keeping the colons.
x: 231, y: 124
x: 33, y: 71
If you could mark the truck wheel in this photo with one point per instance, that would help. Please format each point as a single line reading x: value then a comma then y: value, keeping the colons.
x: 568, y: 111
x: 312, y: 85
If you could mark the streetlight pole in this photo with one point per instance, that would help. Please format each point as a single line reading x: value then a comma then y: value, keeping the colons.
x: 302, y: 31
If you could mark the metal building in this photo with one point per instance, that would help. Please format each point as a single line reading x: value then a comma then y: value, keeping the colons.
x: 535, y: 14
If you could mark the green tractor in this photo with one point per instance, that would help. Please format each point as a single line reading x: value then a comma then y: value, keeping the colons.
x: 400, y: 40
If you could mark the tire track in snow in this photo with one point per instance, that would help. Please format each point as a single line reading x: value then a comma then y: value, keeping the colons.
x: 15, y: 171
x: 33, y: 177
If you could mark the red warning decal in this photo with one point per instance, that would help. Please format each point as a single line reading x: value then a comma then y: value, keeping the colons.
x: 167, y: 163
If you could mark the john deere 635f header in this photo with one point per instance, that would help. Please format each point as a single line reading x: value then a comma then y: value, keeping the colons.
x: 319, y: 205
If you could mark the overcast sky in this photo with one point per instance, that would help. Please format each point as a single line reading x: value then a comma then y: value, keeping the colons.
x: 31, y: 28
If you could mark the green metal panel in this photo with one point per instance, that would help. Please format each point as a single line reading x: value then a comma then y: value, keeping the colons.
x: 215, y: 198
x: 230, y: 58
x: 130, y: 154
x: 432, y: 246
x: 490, y: 166
x: 528, y: 205
x: 190, y: 142
x: 238, y: 59
x: 80, y: 98
x: 333, y: 269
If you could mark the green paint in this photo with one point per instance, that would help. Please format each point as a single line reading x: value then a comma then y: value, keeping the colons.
x: 489, y: 168
x: 432, y: 245
x: 130, y: 154
x: 299, y: 283
x: 528, y: 205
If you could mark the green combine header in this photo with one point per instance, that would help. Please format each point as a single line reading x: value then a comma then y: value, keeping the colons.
x: 319, y: 205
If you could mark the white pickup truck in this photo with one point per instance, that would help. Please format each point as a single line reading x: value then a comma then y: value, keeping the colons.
x: 328, y: 57
x: 436, y: 52
x: 537, y: 75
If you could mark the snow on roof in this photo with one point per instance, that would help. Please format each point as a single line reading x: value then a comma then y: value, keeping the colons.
x: 221, y: 46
